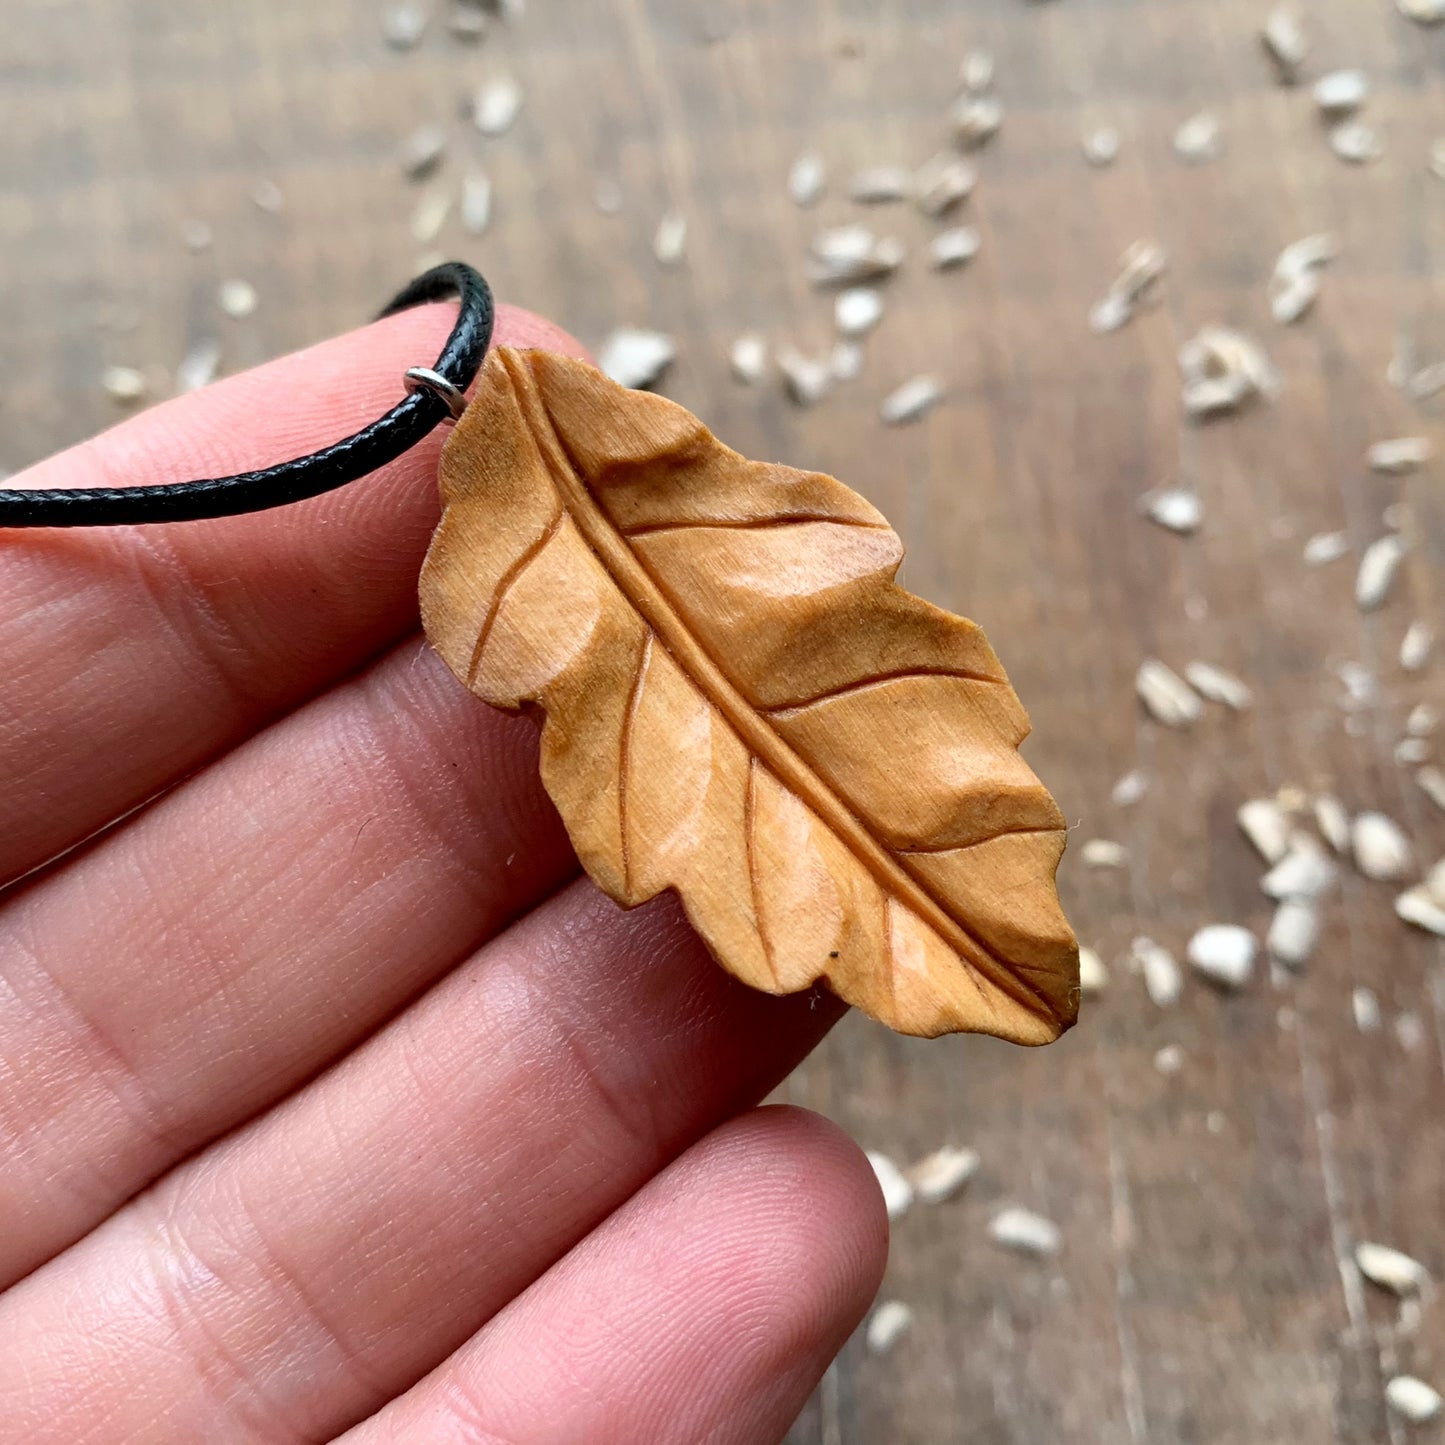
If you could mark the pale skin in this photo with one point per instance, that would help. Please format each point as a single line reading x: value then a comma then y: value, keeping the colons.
x: 333, y: 1103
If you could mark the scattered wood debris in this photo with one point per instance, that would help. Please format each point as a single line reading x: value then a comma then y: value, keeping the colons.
x: 422, y: 151
x: 878, y: 185
x: 1176, y: 509
x: 467, y: 22
x: 196, y: 235
x: 1325, y: 547
x: 1333, y: 821
x: 1093, y: 975
x: 1129, y: 789
x: 125, y: 384
x: 1222, y: 369
x: 1104, y: 853
x: 845, y: 254
x: 238, y: 299
x: 1199, y: 138
x: 497, y: 104
x: 1166, y: 696
x: 404, y: 25
x: 976, y: 120
x: 977, y: 71
x: 888, y: 1323
x: 476, y: 207
x: 1025, y: 1231
x: 670, y: 240
x: 1423, y: 908
x: 1285, y: 43
x: 1381, y: 849
x: 1294, y: 932
x: 1400, y: 456
x: 1267, y: 827
x: 1432, y: 783
x: 1219, y: 686
x: 1305, y: 872
x: 953, y: 248
x: 1378, y: 567
x: 266, y: 196
x: 1391, y: 1269
x: 1341, y: 92
x: 1224, y: 953
x: 1140, y: 270
x: 1169, y: 1060
x: 1163, y: 981
x: 1429, y: 380
x: 807, y: 179
x: 897, y: 1191
x: 1413, y: 1399
x: 1356, y: 142
x: 845, y: 360
x: 943, y: 183
x: 430, y: 215
x: 857, y: 310
x: 1365, y: 1008
x: 1295, y: 284
x: 1422, y: 12
x: 636, y: 358
x: 806, y: 379
x: 940, y: 1175
x: 199, y: 365
x: 748, y: 358
x: 1101, y: 146
x: 908, y: 402
x: 1416, y: 645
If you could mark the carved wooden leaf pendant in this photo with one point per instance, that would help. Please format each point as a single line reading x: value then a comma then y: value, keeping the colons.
x: 741, y: 704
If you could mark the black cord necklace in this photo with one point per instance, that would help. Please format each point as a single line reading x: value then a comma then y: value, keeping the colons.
x: 435, y: 395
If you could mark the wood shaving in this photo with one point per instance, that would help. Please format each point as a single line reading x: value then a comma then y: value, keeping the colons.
x: 476, y: 207
x: 1291, y: 299
x: 1219, y: 686
x: 1169, y: 1060
x: 1222, y: 369
x: 497, y: 104
x: 806, y: 379
x: 1333, y: 821
x: 1166, y: 696
x: 1420, y: 907
x: 430, y: 215
x: 1093, y: 975
x: 1285, y: 43
x: 976, y: 120
x: 422, y: 151
x: 1432, y: 783
x: 807, y: 179
x: 1434, y: 883
x: 1175, y: 509
x: 1381, y: 850
x: 1325, y: 547
x: 1341, y: 92
x: 1295, y: 284
x: 636, y: 358
x: 940, y: 1175
x: 1365, y: 1008
x: 196, y: 235
x: 1224, y: 953
x: 846, y: 254
x: 1424, y: 718
x: 1129, y: 789
x: 266, y: 196
x: 845, y: 361
x: 1428, y: 381
x: 199, y: 365
x: 1199, y: 138
x: 1416, y: 646
x: 879, y: 185
x: 748, y: 358
x: 1391, y: 1269
x: 125, y: 384
x: 1025, y: 1231
x: 1294, y: 932
x: 1104, y: 853
x: 910, y: 401
x: 1410, y: 751
x: 953, y: 248
x: 238, y: 299
x: 897, y: 1191
x: 1355, y: 142
x: 670, y: 240
x: 888, y: 1323
x: 943, y: 183
x: 1267, y: 827
x: 1422, y: 12
x: 857, y: 311
x: 1305, y: 872
x: 1378, y: 568
x: 1163, y: 981
x: 1140, y: 270
x: 1101, y: 146
x: 1409, y: 1030
x: 468, y: 22
x: 403, y: 26
x: 1413, y: 1399
x: 1400, y: 456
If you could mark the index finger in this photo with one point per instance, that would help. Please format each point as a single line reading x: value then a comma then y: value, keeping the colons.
x: 136, y: 654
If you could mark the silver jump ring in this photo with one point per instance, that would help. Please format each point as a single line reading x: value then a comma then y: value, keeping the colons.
x: 423, y: 378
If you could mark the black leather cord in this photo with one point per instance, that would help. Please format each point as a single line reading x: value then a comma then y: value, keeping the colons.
x: 344, y: 461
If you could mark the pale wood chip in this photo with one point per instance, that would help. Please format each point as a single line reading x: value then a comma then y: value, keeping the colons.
x: 939, y: 1176
x: 1025, y: 1231
x: 199, y: 365
x: 238, y: 299
x: 897, y: 1191
x: 1413, y: 1399
x: 1163, y: 981
x: 1325, y: 547
x: 1333, y: 821
x: 1129, y: 789
x: 1267, y: 827
x: 1175, y: 509
x: 1391, y: 1269
x: 1356, y: 142
x: 943, y: 183
x: 1400, y: 456
x: 496, y: 105
x: 1294, y: 932
x: 1420, y: 907
x: 910, y: 401
x: 422, y: 151
x: 403, y: 26
x: 878, y: 185
x: 1285, y: 43
x: 977, y: 71
x: 845, y: 254
x: 807, y: 178
x: 1166, y: 696
x: 1416, y: 646
x: 806, y: 379
x: 1305, y: 872
x: 1378, y: 568
x: 125, y: 384
x: 1093, y: 975
x: 890, y: 1321
x: 976, y: 120
x: 953, y: 248
x: 845, y: 360
x: 857, y: 310
x: 1381, y: 849
x: 430, y: 215
x: 636, y: 358
x: 748, y: 358
x: 1224, y: 953
x: 1422, y: 12
x: 1432, y: 783
x: 1199, y: 138
x: 1101, y: 146
x: 669, y: 243
x: 1365, y: 1007
x: 1104, y: 853
x: 1341, y: 92
x: 1218, y: 685
x: 476, y: 207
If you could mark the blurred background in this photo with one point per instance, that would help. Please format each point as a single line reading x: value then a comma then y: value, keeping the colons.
x: 189, y: 189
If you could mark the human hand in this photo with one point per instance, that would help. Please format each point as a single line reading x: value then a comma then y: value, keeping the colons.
x: 331, y: 1099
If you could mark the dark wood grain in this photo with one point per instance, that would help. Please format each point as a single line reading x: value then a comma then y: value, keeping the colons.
x: 1204, y: 1291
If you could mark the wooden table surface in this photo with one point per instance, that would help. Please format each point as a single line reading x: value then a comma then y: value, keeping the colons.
x: 1205, y: 1290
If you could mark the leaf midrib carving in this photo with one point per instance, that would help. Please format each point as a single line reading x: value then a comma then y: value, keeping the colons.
x: 643, y: 593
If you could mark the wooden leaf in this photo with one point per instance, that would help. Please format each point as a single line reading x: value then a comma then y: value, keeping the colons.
x: 740, y: 704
